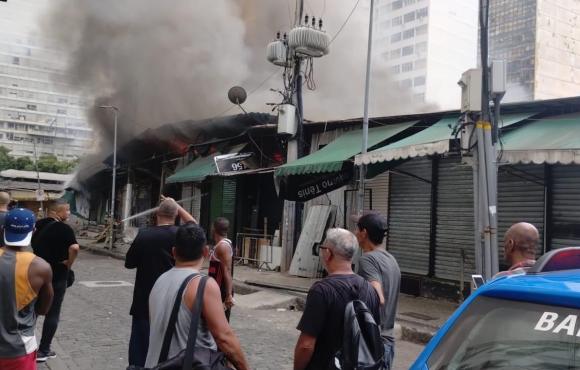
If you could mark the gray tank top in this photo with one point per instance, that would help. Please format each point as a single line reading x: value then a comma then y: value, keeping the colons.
x: 17, y: 315
x: 161, y: 302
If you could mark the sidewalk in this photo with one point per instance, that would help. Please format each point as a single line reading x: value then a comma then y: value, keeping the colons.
x: 417, y: 319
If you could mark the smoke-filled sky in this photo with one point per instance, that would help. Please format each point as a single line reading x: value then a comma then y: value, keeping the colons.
x: 165, y: 61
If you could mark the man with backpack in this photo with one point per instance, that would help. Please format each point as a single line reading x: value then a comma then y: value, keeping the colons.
x: 381, y: 269
x: 322, y: 325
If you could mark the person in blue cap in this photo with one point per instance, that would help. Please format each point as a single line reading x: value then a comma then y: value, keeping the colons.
x: 26, y: 286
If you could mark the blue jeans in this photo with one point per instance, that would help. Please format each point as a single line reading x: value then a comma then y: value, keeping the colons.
x: 389, y: 352
x: 139, y: 342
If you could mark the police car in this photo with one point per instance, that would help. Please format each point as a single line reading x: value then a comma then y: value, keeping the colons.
x: 525, y: 321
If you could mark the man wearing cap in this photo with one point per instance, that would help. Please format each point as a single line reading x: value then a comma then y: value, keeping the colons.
x: 381, y: 269
x: 55, y: 242
x: 26, y: 288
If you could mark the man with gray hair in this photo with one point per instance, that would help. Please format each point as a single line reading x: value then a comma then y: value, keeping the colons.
x: 150, y: 254
x: 322, y: 323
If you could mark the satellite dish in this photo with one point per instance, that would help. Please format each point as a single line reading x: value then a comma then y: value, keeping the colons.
x: 237, y: 95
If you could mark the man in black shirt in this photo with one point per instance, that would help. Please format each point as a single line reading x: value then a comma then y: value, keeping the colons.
x: 150, y: 254
x: 322, y: 322
x: 55, y: 242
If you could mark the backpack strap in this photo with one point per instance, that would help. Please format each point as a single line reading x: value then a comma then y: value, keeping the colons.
x: 173, y: 320
x: 195, y: 317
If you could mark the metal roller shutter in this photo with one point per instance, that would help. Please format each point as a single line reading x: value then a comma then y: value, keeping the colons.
x: 566, y: 207
x: 521, y: 198
x: 409, y: 216
x: 380, y: 193
x: 196, y: 201
x: 454, y: 236
x: 186, y: 191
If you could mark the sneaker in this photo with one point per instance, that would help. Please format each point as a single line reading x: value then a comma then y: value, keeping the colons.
x: 42, y: 356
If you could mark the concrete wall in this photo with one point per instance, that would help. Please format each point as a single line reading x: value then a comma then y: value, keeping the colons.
x: 558, y: 49
x: 452, y: 49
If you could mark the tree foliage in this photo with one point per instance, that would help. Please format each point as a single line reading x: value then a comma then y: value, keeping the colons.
x: 46, y: 163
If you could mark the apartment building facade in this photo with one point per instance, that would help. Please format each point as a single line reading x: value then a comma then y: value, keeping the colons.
x: 40, y: 112
x: 427, y: 45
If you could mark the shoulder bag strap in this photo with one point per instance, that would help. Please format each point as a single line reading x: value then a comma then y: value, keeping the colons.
x: 195, y: 317
x: 173, y: 320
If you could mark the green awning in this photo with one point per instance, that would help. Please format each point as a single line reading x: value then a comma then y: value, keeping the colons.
x: 196, y: 171
x: 549, y: 140
x: 332, y: 156
x: 432, y: 140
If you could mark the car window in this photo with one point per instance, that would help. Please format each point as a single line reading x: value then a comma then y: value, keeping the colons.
x: 500, y: 334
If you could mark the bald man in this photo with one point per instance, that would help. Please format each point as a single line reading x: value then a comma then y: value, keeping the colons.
x: 4, y: 201
x: 520, y: 244
x: 150, y: 254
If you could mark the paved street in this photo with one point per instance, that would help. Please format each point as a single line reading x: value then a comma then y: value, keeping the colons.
x: 94, y: 331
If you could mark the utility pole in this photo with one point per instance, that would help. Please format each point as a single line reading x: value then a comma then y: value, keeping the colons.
x: 293, y: 210
x: 365, y: 128
x: 486, y: 159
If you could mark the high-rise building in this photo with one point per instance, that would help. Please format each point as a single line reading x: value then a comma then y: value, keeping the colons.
x: 540, y: 42
x: 428, y: 44
x: 40, y: 113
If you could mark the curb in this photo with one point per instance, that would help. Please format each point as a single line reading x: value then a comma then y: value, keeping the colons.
x: 406, y: 330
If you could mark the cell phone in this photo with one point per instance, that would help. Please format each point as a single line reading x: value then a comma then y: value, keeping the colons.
x: 477, y: 281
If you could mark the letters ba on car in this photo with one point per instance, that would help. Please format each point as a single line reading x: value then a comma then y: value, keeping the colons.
x: 551, y: 321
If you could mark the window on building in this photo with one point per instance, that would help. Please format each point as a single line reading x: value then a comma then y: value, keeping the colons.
x: 419, y: 81
x: 62, y: 100
x: 407, y: 67
x: 421, y: 30
x: 31, y: 106
x: 423, y: 12
x: 407, y: 50
x: 406, y: 84
x: 397, y: 21
x: 409, y: 2
x: 395, y: 69
x: 396, y: 37
x: 409, y: 17
x: 421, y: 64
x: 397, y: 5
x: 395, y: 54
x: 408, y: 34
x: 16, y: 60
x: 419, y: 98
x: 61, y: 111
x: 421, y: 47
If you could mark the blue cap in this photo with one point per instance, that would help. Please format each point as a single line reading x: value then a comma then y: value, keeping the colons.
x: 18, y: 227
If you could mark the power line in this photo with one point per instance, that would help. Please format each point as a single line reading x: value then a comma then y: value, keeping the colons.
x: 345, y: 22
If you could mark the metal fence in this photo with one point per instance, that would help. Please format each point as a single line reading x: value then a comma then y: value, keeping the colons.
x: 254, y: 250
